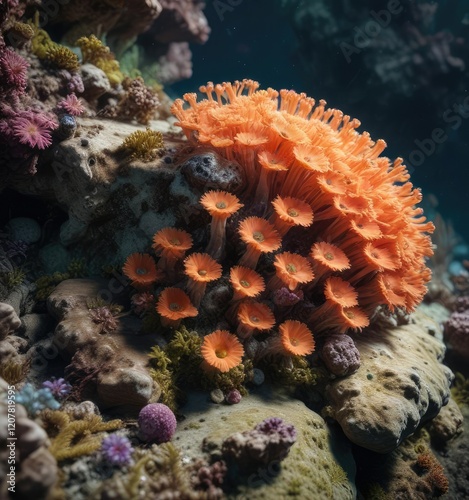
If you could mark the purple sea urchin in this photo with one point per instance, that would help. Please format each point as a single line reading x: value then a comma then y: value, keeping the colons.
x: 156, y: 423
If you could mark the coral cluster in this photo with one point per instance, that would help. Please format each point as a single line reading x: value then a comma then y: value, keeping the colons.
x: 269, y: 441
x: 95, y: 52
x: 321, y: 233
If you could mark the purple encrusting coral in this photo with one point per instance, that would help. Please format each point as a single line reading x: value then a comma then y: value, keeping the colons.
x: 340, y: 355
x: 142, y: 302
x: 117, y: 449
x: 58, y: 387
x: 156, y: 423
x: 104, y: 317
x: 270, y: 440
x: 286, y: 298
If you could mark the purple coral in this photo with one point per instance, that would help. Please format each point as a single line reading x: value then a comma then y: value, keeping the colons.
x: 286, y: 298
x: 340, y: 355
x: 209, y: 478
x: 58, y: 387
x: 156, y: 423
x: 269, y: 441
x: 233, y: 397
x: 142, y: 302
x: 104, y: 317
x: 72, y: 105
x: 456, y: 333
x: 117, y: 450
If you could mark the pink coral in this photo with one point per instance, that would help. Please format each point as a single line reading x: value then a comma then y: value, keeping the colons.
x: 72, y: 105
x: 33, y: 129
x: 13, y: 71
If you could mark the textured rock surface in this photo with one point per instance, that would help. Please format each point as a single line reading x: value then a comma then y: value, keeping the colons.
x: 401, y: 383
x: 36, y: 468
x: 114, y: 362
x: 9, y: 320
x: 311, y: 469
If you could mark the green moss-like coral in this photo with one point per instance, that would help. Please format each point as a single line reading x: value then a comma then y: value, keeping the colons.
x: 62, y: 57
x: 45, y: 284
x: 74, y: 438
x: 95, y: 52
x: 177, y: 364
x: 143, y: 144
x: 13, y: 278
x: 13, y: 372
x: 460, y: 390
x: 158, y: 473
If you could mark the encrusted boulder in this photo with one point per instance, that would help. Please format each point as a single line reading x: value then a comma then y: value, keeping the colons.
x: 106, y: 365
x: 319, y: 464
x: 9, y: 320
x: 35, y: 468
x: 400, y: 384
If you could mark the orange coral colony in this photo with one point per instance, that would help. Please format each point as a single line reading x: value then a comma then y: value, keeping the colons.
x: 319, y: 189
x: 222, y: 350
x: 140, y: 268
x: 173, y: 305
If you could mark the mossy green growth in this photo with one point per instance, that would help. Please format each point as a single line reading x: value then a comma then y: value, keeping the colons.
x: 62, y: 57
x: 143, y: 144
x: 95, y: 52
x: 77, y: 268
x: 296, y: 372
x: 13, y: 278
x: 72, y: 438
x: 158, y: 472
x: 163, y: 376
x: 460, y: 390
x: 177, y: 364
x: 45, y: 284
x: 13, y: 372
x: 232, y: 379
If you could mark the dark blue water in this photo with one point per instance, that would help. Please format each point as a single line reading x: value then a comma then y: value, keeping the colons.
x: 427, y: 125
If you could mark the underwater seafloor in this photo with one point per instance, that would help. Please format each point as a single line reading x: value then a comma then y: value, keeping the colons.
x: 231, y: 293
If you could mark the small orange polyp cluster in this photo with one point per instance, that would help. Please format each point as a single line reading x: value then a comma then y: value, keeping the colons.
x: 314, y: 172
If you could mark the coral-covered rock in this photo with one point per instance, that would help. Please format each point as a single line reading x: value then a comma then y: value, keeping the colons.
x: 103, y: 184
x: 95, y: 81
x: 180, y: 21
x: 35, y: 467
x: 108, y: 367
x: 400, y: 384
x: 9, y: 320
x: 447, y: 424
x: 311, y: 469
x: 269, y: 441
x: 208, y: 170
x: 340, y: 355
